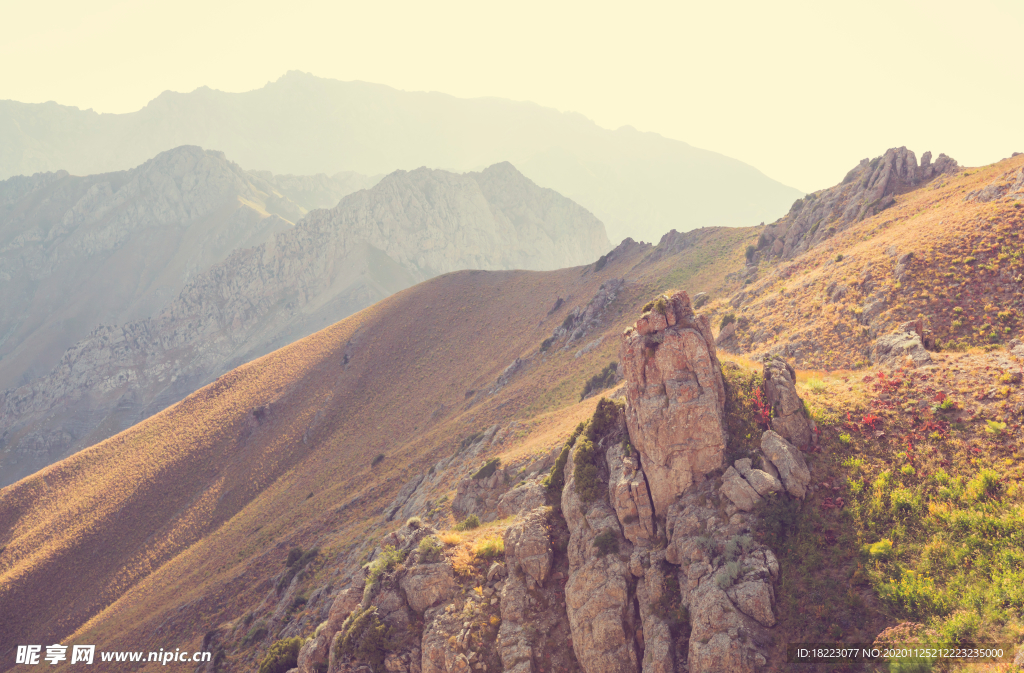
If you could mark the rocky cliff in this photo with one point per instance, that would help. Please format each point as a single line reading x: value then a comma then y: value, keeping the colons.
x: 409, y: 227
x: 869, y: 188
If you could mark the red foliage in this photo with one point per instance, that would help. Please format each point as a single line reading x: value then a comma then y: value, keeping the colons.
x: 764, y: 411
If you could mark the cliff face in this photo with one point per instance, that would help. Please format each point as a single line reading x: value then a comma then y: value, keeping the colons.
x: 408, y: 228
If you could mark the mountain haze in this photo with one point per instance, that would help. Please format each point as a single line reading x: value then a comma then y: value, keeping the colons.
x: 639, y: 184
x: 408, y: 228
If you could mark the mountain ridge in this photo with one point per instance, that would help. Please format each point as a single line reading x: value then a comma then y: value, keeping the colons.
x: 639, y: 183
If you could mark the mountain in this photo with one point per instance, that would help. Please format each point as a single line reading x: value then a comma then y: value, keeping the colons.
x: 579, y: 470
x: 79, y: 252
x: 639, y: 184
x: 73, y: 382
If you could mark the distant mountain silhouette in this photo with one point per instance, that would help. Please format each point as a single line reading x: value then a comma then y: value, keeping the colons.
x: 639, y: 184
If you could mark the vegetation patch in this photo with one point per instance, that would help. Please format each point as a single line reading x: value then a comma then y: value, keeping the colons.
x: 282, y: 656
x: 603, y: 379
x: 488, y: 468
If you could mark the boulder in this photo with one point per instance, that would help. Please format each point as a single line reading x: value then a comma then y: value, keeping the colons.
x: 788, y: 416
x: 899, y: 349
x: 437, y: 655
x: 527, y: 547
x: 762, y: 482
x: 629, y: 495
x: 675, y: 398
x: 789, y: 461
x: 736, y: 488
x: 521, y: 499
x: 426, y: 584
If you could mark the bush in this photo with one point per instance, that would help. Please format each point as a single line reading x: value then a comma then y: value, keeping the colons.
x: 546, y: 344
x: 282, y: 656
x: 430, y: 549
x: 750, y: 252
x: 365, y: 638
x: 601, y: 261
x: 294, y: 554
x: 607, y: 542
x: 880, y: 550
x: 377, y: 460
x: 488, y: 468
x: 556, y: 480
x: 984, y: 486
x: 726, y: 320
x: 414, y: 522
x: 586, y: 473
x: 730, y: 573
x: 388, y: 559
x: 469, y: 523
x: 603, y: 379
x: 661, y: 305
x: 569, y: 320
x: 489, y: 547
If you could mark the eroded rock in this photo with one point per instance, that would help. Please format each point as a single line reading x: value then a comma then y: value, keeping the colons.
x: 788, y: 416
x: 527, y: 547
x: 427, y: 584
x: 629, y: 495
x: 789, y: 461
x: 675, y: 397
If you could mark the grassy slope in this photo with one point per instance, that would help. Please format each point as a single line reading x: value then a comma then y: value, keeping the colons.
x: 962, y: 278
x: 178, y: 524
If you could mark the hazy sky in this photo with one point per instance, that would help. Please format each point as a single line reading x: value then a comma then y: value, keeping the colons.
x: 801, y: 90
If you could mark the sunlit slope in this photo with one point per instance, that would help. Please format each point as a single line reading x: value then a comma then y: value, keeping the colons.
x: 942, y: 252
x: 179, y: 515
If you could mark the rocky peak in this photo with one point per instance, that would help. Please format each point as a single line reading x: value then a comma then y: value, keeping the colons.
x: 869, y: 188
x: 675, y: 396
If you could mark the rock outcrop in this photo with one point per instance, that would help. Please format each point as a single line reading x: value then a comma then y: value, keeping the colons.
x: 869, y: 188
x: 675, y: 396
x: 527, y: 547
x: 725, y: 581
x: 789, y: 418
x: 629, y: 495
x: 788, y: 461
x: 597, y: 595
x: 1010, y: 185
x: 900, y: 349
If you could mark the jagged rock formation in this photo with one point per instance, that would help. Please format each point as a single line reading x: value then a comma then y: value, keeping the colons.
x: 789, y: 418
x: 788, y: 463
x: 899, y: 349
x: 869, y: 188
x: 675, y: 395
x: 409, y: 227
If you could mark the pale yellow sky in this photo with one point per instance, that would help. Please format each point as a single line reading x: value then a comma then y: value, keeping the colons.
x: 800, y: 89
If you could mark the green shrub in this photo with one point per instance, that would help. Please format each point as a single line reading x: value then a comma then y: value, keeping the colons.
x: 282, y: 656
x: 546, y: 344
x: 607, y: 542
x: 490, y: 547
x: 469, y: 523
x: 603, y: 379
x: 601, y: 261
x: 366, y: 639
x: 488, y: 468
x: 377, y: 460
x: 414, y: 522
x: 726, y: 320
x: 567, y: 323
x: 586, y: 473
x: 880, y: 550
x: 388, y: 559
x: 556, y: 480
x: 430, y: 549
x: 750, y: 252
x: 729, y: 574
x: 661, y: 305
x: 778, y: 517
x: 294, y: 554
x: 984, y: 486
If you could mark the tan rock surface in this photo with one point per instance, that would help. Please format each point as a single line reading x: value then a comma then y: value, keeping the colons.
x: 788, y: 416
x: 789, y: 461
x: 675, y: 397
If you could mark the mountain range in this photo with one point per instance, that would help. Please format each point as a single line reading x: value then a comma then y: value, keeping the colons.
x: 186, y: 266
x: 639, y: 184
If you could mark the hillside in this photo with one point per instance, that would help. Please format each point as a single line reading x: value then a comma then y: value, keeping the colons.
x: 456, y: 478
x: 332, y: 263
x: 639, y: 184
